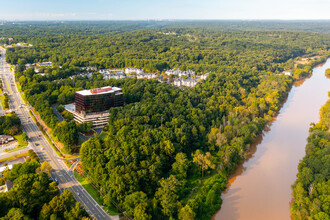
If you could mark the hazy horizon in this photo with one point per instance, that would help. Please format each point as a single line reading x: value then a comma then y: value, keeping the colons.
x: 103, y: 10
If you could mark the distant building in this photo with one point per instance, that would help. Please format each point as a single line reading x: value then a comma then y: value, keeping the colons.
x: 29, y: 65
x: 187, y: 73
x: 93, y: 105
x: 6, y: 138
x: 178, y: 72
x: 131, y: 70
x: 288, y: 73
x: 44, y: 64
x: 9, y: 185
x: 204, y: 76
x: 4, y: 168
x: 89, y: 75
x: 5, y: 188
x: 173, y: 72
x: 147, y: 76
x: 114, y: 76
x: 109, y: 71
x: 89, y: 68
x: 190, y: 82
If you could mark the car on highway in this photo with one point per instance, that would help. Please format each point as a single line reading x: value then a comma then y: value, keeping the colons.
x: 37, y: 144
x: 39, y: 135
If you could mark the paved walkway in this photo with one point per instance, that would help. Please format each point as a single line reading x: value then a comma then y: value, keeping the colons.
x: 58, y: 115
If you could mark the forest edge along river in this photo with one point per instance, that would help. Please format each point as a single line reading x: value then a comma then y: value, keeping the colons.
x: 261, y: 186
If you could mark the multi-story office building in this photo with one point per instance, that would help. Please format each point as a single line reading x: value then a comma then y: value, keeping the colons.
x: 93, y: 105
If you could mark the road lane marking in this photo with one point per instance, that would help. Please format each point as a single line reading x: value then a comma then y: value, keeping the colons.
x: 56, y: 163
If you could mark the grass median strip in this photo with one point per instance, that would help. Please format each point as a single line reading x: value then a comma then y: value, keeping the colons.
x: 45, y: 135
x: 94, y: 193
x: 15, y: 149
x: 14, y: 157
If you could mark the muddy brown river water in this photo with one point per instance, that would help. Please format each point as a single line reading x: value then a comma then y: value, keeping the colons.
x: 261, y: 187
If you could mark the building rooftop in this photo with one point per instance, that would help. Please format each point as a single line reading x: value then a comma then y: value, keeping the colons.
x: 4, y: 167
x: 9, y: 184
x: 98, y: 91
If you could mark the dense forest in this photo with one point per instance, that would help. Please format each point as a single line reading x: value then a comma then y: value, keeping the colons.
x: 10, y: 124
x: 311, y: 190
x: 168, y: 151
x: 35, y: 196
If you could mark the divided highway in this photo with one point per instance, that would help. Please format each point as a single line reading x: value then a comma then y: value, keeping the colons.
x: 63, y: 175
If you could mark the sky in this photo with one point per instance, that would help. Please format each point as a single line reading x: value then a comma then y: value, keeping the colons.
x: 164, y: 9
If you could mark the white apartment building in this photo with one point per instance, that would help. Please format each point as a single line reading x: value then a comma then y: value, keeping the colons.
x: 131, y: 70
x: 147, y: 76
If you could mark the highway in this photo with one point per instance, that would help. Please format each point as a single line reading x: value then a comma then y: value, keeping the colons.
x: 61, y: 174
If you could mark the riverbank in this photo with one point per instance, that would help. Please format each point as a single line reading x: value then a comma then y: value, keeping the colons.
x: 262, y: 182
x: 310, y: 194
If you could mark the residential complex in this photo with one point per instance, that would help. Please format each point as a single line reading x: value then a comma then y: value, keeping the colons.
x: 185, y: 82
x: 179, y: 78
x: 131, y: 70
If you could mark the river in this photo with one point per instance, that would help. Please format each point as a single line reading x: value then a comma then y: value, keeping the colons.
x: 260, y: 189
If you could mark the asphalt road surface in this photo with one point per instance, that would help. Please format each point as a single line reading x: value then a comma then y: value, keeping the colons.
x: 63, y: 175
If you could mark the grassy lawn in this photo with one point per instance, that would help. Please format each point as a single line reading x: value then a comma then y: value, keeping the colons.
x: 20, y: 140
x: 19, y: 88
x: 103, y: 135
x: 23, y: 97
x: 15, y: 149
x: 14, y: 157
x: 67, y: 163
x: 95, y: 194
x: 2, y: 100
x: 32, y: 116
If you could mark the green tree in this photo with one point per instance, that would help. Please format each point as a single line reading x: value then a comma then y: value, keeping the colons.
x: 167, y: 195
x: 15, y: 214
x: 181, y: 165
x: 186, y: 213
x: 45, y: 167
x: 204, y: 161
x: 136, y: 205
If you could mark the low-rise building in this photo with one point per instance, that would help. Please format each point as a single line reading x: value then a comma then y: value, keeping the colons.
x: 44, y: 64
x: 190, y: 82
x: 5, y: 188
x: 173, y: 72
x: 114, y: 76
x: 88, y: 68
x: 204, y: 76
x: 109, y: 71
x: 131, y: 70
x: 187, y: 73
x: 6, y: 138
x: 147, y: 76
x: 4, y: 168
x: 29, y: 65
x: 288, y: 73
